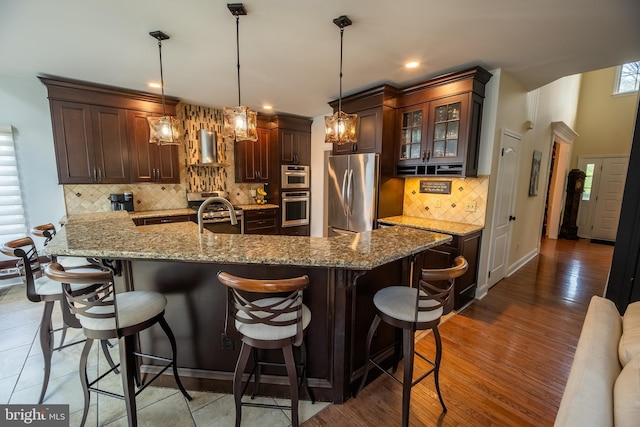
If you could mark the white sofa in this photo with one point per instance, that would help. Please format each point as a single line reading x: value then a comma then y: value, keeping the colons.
x: 603, y: 388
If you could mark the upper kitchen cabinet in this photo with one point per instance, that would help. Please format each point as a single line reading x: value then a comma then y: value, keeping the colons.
x: 439, y: 125
x: 294, y: 139
x: 99, y: 133
x: 150, y: 162
x: 375, y: 108
x: 253, y: 158
x: 89, y: 142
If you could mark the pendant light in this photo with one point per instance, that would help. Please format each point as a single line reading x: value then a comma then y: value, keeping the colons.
x: 341, y: 127
x: 163, y: 130
x: 240, y: 123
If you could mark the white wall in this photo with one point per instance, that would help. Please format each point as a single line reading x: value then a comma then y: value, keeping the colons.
x: 24, y: 105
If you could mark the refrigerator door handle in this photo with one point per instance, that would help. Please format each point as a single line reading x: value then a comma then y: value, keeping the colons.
x: 344, y: 191
x: 350, y: 191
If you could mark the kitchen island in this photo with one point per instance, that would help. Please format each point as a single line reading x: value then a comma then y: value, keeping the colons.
x: 174, y: 259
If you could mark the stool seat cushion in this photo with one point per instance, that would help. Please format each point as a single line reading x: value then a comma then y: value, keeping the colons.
x: 260, y: 331
x: 134, y: 308
x: 46, y: 286
x: 399, y: 302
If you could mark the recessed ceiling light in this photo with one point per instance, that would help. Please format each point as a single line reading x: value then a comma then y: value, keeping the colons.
x: 412, y: 64
x: 155, y: 85
x: 267, y: 107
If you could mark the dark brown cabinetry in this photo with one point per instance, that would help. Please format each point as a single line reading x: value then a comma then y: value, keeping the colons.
x: 164, y: 219
x: 91, y: 143
x: 150, y: 162
x: 261, y: 221
x: 438, y: 131
x: 442, y: 257
x: 294, y: 139
x: 252, y: 158
x: 101, y: 135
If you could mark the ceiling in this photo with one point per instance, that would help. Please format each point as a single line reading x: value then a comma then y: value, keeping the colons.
x: 290, y: 49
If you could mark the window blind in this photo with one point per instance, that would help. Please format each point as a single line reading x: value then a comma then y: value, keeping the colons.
x: 12, y: 221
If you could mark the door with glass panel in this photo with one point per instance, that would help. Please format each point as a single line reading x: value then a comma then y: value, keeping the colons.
x: 447, y: 132
x: 412, y: 141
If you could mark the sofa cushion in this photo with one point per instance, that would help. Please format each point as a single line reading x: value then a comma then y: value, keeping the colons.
x: 630, y: 342
x: 588, y: 397
x: 626, y: 395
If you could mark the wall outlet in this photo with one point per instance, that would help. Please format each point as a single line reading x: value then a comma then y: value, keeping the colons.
x: 227, y: 343
x: 471, y: 206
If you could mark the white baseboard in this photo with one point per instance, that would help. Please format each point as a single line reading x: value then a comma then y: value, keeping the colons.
x: 522, y: 261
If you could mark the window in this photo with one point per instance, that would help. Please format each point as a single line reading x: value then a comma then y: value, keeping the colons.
x: 628, y: 78
x: 588, y: 181
x: 12, y: 222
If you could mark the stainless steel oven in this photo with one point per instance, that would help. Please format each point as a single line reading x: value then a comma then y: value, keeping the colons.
x: 294, y: 176
x: 295, y: 208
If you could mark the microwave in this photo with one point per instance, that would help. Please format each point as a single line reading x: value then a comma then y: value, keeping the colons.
x: 294, y: 176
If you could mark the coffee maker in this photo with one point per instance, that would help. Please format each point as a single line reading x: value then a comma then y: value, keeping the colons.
x: 121, y: 201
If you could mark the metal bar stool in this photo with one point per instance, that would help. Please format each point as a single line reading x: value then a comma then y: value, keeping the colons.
x: 105, y: 315
x: 277, y: 321
x: 413, y: 309
x: 42, y: 289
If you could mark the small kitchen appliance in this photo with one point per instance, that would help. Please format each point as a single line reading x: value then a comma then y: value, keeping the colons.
x: 121, y: 201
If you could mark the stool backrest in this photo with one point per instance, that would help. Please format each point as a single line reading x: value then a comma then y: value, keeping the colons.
x: 95, y: 302
x: 45, y: 230
x: 28, y: 263
x: 284, y: 311
x: 440, y: 295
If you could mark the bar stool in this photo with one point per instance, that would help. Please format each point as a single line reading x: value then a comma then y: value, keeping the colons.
x: 273, y: 322
x: 104, y: 315
x: 42, y: 289
x: 47, y: 231
x: 414, y: 309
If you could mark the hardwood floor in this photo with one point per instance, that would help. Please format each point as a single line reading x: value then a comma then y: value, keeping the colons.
x: 506, y: 358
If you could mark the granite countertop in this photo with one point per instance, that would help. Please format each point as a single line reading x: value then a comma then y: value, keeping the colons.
x: 162, y: 212
x: 448, y: 227
x: 113, y: 235
x: 255, y: 207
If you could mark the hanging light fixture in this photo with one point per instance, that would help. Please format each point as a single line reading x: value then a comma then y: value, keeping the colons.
x: 341, y: 127
x: 240, y: 123
x: 163, y: 130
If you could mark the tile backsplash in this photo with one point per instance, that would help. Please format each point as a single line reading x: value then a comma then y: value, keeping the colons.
x: 448, y: 207
x: 94, y: 198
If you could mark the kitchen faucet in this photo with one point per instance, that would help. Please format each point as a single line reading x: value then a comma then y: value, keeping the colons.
x: 232, y: 213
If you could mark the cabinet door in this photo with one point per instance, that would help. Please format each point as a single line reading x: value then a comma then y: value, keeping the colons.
x: 73, y: 140
x: 252, y: 158
x: 295, y: 147
x: 412, y: 139
x: 369, y: 131
x: 111, y: 147
x: 447, y: 134
x: 150, y: 162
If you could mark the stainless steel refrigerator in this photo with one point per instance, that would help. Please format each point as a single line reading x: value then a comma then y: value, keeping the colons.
x: 352, y: 192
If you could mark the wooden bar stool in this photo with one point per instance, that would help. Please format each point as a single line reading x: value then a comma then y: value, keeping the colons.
x: 47, y: 231
x: 42, y: 289
x: 413, y: 309
x: 104, y: 315
x: 275, y: 321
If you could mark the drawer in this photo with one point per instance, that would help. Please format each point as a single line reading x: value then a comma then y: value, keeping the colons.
x: 164, y: 219
x: 260, y: 226
x: 257, y: 214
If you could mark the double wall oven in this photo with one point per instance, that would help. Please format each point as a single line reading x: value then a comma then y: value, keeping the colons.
x: 295, y: 206
x: 216, y: 216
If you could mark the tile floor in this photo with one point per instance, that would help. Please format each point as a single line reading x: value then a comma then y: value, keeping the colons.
x: 21, y: 380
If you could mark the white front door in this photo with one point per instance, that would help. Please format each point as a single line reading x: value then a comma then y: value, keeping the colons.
x: 591, y: 166
x: 609, y: 200
x: 503, y: 211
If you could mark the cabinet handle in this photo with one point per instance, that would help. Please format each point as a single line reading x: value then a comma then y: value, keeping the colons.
x: 95, y: 175
x: 99, y: 175
x: 426, y: 155
x: 354, y: 147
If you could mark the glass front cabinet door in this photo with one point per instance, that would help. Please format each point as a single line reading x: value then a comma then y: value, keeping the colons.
x: 413, y: 140
x: 447, y: 132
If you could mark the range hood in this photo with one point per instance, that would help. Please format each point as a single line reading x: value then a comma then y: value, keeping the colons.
x: 208, y: 149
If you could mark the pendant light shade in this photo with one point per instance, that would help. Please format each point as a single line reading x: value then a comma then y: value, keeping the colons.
x: 163, y: 130
x: 240, y: 123
x: 340, y: 128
